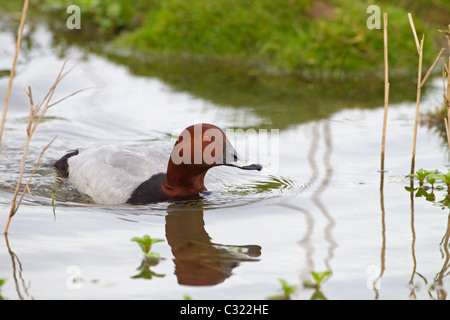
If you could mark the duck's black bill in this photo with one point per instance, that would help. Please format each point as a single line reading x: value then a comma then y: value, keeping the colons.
x: 252, y: 167
x: 247, y: 167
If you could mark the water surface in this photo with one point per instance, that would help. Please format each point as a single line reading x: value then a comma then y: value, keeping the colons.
x: 318, y: 205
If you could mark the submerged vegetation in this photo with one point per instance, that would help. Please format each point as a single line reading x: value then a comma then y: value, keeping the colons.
x: 311, y: 38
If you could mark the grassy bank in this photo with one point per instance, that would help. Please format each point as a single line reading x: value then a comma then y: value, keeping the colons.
x: 313, y: 38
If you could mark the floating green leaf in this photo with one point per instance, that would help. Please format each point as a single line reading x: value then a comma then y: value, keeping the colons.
x: 287, y: 291
x: 318, y: 278
x: 146, y: 243
x: 421, y: 174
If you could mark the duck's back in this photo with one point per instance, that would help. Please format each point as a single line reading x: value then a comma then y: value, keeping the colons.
x: 109, y: 175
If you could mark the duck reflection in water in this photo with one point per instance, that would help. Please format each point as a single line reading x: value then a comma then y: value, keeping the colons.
x: 198, y: 261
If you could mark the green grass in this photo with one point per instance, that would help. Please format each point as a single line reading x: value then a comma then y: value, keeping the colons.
x: 281, y: 36
x: 313, y: 38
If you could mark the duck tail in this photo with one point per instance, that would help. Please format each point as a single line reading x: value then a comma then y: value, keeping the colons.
x: 62, y: 165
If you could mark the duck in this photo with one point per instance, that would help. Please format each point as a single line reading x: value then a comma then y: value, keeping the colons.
x: 125, y: 175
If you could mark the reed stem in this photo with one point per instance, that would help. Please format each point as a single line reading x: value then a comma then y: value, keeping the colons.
x: 446, y: 85
x: 418, y: 94
x: 386, y: 90
x: 37, y: 112
x: 13, y: 69
x: 420, y: 83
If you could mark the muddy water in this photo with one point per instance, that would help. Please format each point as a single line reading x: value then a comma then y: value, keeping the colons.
x: 319, y: 204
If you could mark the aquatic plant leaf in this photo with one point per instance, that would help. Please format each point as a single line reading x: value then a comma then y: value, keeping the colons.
x: 287, y: 289
x: 146, y: 242
x: 320, y: 276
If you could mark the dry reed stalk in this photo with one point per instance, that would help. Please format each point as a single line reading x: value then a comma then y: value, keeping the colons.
x: 13, y: 68
x: 419, y: 77
x: 411, y: 22
x: 15, y: 206
x: 37, y: 112
x: 386, y: 90
x: 420, y: 83
x: 446, y: 86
